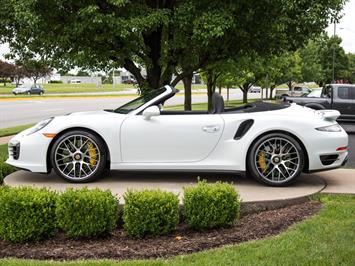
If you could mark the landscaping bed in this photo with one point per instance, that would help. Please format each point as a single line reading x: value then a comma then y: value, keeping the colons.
x: 119, y: 245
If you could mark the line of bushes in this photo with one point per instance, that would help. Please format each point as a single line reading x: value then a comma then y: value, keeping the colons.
x: 30, y: 214
x: 5, y: 169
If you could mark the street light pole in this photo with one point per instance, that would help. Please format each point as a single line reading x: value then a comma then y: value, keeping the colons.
x: 333, y: 81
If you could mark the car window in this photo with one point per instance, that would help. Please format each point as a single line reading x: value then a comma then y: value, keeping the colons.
x: 138, y: 102
x: 344, y: 93
x: 297, y: 89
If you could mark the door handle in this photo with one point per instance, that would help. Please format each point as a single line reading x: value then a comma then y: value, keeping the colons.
x: 210, y: 129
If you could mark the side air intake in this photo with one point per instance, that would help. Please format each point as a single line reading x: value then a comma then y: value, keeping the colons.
x: 243, y: 128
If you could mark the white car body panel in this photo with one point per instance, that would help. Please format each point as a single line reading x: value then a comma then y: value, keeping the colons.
x: 201, y: 142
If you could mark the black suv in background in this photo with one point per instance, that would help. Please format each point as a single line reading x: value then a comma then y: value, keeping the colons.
x: 339, y: 97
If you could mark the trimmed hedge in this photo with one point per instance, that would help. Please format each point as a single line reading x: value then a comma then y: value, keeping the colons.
x: 211, y: 205
x: 87, y: 213
x: 26, y: 214
x: 150, y: 212
x: 5, y: 170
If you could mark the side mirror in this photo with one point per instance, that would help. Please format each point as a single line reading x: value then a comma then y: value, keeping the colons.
x: 151, y: 111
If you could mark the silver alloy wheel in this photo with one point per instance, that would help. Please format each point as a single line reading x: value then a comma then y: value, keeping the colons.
x: 277, y: 160
x: 77, y: 157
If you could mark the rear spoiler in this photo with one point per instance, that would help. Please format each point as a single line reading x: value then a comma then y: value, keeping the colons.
x: 329, y: 115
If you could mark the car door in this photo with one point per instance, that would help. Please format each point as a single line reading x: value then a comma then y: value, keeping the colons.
x: 33, y: 89
x: 343, y: 101
x: 170, y: 138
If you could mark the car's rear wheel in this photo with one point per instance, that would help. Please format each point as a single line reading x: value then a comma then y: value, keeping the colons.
x: 275, y: 159
x: 79, y: 156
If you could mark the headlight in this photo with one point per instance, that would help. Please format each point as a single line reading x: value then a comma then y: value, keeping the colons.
x: 332, y: 128
x: 39, y: 126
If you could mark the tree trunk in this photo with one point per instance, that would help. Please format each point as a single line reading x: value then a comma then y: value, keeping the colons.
x: 320, y: 84
x: 245, y: 96
x: 211, y: 87
x: 271, y: 90
x: 289, y: 85
x: 187, y: 80
x: 227, y: 95
x: 245, y: 88
x: 220, y: 89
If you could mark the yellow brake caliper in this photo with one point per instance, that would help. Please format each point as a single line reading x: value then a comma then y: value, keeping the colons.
x: 92, y: 154
x: 261, y: 160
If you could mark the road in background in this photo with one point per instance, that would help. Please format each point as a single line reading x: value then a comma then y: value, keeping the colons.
x: 20, y: 112
x: 350, y: 129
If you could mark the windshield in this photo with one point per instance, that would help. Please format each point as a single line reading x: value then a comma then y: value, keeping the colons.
x: 314, y: 93
x: 138, y: 102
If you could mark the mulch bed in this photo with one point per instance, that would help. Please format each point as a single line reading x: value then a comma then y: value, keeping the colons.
x: 182, y: 241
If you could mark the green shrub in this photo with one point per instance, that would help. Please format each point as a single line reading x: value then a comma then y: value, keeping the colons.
x: 5, y: 170
x: 150, y: 212
x: 26, y: 214
x: 211, y: 205
x: 87, y: 213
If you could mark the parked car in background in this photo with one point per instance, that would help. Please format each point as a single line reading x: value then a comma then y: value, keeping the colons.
x: 339, y: 97
x: 255, y: 89
x: 129, y: 81
x: 74, y: 81
x: 29, y: 89
x: 295, y: 91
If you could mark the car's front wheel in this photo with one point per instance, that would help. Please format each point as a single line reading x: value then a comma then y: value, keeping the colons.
x: 79, y: 156
x: 275, y: 159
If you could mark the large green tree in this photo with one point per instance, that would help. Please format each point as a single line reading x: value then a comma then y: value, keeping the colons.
x: 311, y: 65
x: 169, y: 38
x: 34, y: 69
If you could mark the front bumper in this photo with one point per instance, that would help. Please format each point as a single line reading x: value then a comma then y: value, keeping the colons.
x: 29, y: 152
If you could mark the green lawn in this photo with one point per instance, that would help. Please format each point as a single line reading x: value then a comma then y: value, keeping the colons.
x: 325, y: 239
x: 62, y: 88
x: 13, y: 130
x: 3, y: 152
x: 70, y: 88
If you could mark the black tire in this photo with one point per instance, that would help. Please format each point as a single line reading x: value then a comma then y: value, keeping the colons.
x: 101, y: 153
x: 261, y: 170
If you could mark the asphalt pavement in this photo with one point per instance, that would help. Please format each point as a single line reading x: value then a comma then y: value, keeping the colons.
x: 351, y: 162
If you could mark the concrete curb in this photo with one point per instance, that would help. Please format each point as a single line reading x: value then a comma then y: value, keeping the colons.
x: 257, y: 206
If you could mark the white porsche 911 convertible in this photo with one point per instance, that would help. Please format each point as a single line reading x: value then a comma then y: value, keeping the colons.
x: 272, y: 143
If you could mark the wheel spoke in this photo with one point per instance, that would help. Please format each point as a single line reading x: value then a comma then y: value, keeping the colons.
x: 71, y: 153
x: 277, y: 159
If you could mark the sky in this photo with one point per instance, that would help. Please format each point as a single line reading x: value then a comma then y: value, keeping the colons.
x: 345, y: 29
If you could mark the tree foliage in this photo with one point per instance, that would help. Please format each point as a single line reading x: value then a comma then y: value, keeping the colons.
x: 166, y: 37
x: 35, y: 69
